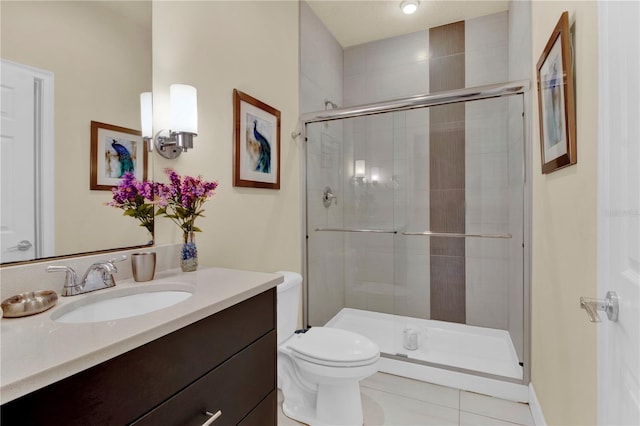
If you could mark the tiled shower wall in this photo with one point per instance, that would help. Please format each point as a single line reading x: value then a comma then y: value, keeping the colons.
x: 520, y: 66
x: 404, y: 66
x: 389, y: 273
x: 447, y: 174
x: 321, y: 67
x: 383, y: 272
x: 487, y: 175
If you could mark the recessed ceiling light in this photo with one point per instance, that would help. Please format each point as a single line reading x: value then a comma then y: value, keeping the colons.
x: 409, y: 6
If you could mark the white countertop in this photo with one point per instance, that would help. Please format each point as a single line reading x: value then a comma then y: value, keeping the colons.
x: 37, y: 351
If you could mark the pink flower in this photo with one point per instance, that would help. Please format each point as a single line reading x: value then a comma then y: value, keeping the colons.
x: 132, y: 196
x: 182, y: 199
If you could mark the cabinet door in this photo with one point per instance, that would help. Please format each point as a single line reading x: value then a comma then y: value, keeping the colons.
x: 235, y: 388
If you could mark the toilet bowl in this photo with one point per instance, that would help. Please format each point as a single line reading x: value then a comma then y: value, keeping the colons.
x: 319, y: 370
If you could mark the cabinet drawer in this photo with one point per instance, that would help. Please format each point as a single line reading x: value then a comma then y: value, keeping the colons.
x: 122, y: 389
x: 235, y: 388
x: 265, y: 414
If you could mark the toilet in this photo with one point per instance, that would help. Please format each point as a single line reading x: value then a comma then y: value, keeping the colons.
x: 319, y: 370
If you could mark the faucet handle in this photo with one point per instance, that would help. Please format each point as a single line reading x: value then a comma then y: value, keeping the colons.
x: 68, y: 269
x: 70, y: 279
x: 116, y: 260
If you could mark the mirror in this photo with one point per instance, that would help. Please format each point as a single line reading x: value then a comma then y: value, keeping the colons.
x: 82, y: 62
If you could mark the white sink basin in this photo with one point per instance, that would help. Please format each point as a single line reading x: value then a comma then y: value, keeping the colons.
x: 121, y: 303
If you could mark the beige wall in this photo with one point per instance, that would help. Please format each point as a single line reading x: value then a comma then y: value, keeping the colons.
x: 564, y: 237
x: 101, y: 61
x: 217, y: 46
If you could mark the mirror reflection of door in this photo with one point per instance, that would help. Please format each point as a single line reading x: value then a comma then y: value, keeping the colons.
x: 26, y: 156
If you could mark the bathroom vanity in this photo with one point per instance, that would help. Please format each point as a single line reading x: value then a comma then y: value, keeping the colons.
x: 217, y: 352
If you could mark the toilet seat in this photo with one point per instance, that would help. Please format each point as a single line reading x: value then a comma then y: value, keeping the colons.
x: 334, y: 347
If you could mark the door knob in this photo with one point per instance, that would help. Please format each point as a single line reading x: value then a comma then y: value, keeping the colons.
x: 23, y: 245
x: 609, y: 305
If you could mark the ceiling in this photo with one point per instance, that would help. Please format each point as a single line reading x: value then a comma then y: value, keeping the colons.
x: 354, y: 22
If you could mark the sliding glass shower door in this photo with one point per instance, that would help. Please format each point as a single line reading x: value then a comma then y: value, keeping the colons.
x: 418, y: 215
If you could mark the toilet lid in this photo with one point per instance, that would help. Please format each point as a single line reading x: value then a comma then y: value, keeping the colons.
x: 324, y: 345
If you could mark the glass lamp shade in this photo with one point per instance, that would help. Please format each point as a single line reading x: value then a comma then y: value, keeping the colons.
x: 360, y: 169
x: 184, y: 108
x: 146, y: 114
x: 375, y: 174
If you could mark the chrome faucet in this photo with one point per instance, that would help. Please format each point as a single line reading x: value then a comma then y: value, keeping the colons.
x: 98, y: 276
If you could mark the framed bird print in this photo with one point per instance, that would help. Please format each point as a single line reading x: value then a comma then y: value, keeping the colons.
x: 115, y: 151
x: 556, y: 103
x: 257, y: 143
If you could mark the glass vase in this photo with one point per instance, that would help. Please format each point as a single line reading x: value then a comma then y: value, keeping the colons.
x: 189, y: 254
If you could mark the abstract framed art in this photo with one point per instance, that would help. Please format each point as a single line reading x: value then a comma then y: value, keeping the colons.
x: 115, y: 151
x: 556, y: 102
x: 257, y: 143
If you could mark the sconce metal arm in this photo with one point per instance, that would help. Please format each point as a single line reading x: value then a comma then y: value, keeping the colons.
x: 171, y: 144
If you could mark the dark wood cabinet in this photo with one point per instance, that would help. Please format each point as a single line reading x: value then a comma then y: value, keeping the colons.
x: 223, y: 362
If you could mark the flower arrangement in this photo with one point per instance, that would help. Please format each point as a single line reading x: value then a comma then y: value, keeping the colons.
x: 182, y: 201
x: 183, y: 198
x: 131, y: 196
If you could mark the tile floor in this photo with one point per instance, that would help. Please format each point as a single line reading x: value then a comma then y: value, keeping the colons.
x: 397, y: 401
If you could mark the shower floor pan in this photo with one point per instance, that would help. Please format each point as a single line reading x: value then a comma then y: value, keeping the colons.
x: 461, y: 346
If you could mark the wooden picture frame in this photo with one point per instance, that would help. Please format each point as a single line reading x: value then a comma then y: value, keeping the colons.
x: 556, y: 101
x: 114, y: 151
x: 256, y: 162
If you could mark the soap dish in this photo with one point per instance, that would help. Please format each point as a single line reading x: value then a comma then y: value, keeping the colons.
x: 30, y: 303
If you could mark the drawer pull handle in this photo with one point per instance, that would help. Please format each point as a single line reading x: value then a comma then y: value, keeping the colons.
x: 213, y: 417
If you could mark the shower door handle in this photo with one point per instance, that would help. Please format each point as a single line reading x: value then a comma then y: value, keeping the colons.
x: 373, y: 231
x: 457, y: 235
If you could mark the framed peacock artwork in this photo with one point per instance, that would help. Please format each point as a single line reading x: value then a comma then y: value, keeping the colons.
x: 115, y: 151
x: 257, y: 143
x: 556, y: 100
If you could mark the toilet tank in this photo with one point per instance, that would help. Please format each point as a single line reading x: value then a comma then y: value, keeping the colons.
x: 288, y: 304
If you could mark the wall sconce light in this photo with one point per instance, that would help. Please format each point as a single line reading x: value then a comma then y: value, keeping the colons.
x: 409, y: 7
x: 146, y: 119
x: 183, y: 102
x: 360, y: 170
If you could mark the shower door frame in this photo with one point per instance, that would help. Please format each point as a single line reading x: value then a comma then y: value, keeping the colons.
x: 514, y: 88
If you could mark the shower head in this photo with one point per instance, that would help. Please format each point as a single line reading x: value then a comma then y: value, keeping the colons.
x: 328, y: 103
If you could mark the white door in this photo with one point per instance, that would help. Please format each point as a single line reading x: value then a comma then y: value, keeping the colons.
x: 17, y: 162
x: 619, y: 211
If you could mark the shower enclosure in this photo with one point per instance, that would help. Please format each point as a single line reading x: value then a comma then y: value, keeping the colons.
x: 415, y: 229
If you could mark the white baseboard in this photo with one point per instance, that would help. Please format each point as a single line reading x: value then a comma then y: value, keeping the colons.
x: 536, y: 408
